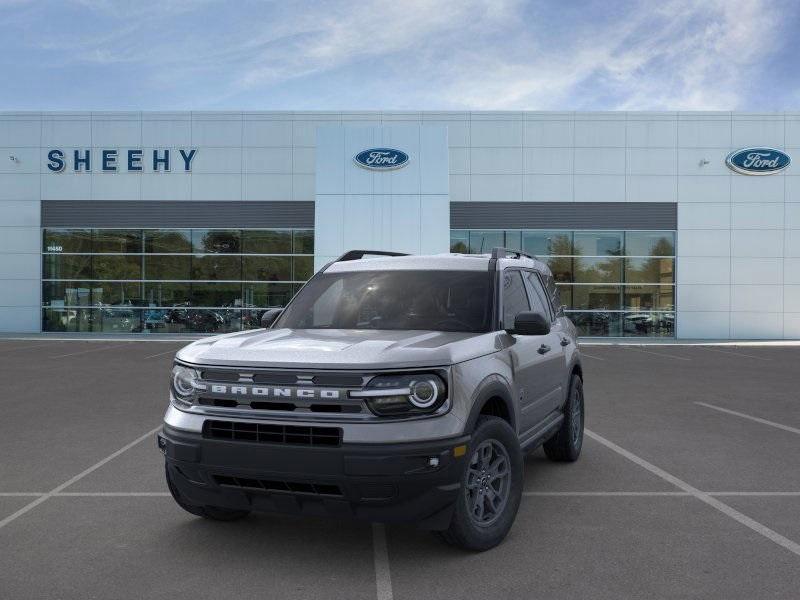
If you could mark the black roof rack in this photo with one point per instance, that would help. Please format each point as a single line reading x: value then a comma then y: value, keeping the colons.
x: 358, y: 254
x: 506, y: 253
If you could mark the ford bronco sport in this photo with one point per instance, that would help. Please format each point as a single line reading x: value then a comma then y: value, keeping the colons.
x: 394, y: 388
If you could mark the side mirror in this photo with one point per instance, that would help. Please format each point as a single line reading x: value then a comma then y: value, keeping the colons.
x: 531, y: 323
x: 269, y: 316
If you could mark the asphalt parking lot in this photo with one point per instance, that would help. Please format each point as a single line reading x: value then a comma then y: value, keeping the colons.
x: 688, y: 487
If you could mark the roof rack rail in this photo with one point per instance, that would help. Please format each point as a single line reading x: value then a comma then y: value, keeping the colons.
x: 358, y: 254
x: 506, y: 253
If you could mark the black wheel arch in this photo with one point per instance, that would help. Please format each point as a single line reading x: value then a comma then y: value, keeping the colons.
x: 494, y: 397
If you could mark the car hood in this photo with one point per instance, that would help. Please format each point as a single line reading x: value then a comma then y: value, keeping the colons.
x: 339, y: 348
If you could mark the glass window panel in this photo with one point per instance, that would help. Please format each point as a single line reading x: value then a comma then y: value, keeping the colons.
x: 167, y: 294
x: 649, y: 297
x: 459, y: 241
x: 117, y: 320
x: 56, y: 266
x: 196, y: 320
x: 268, y: 295
x: 482, y: 242
x: 67, y: 240
x: 67, y: 319
x: 303, y: 267
x: 117, y: 240
x: 538, y: 298
x: 167, y: 267
x: 215, y: 266
x: 167, y: 240
x: 216, y: 294
x: 649, y: 270
x: 117, y: 267
x: 561, y: 267
x: 515, y: 298
x: 547, y: 243
x: 650, y: 243
x: 304, y: 241
x: 267, y: 268
x: 267, y: 241
x: 226, y: 241
x: 648, y: 324
x: 513, y: 240
x: 597, y: 324
x: 598, y: 270
x: 596, y: 297
x: 598, y: 243
x: 565, y: 295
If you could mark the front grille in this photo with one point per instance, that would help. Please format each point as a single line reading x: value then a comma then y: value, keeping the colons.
x: 273, y: 434
x: 269, y: 485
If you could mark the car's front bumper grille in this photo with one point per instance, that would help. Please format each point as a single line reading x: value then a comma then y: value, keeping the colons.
x: 287, y: 487
x: 273, y: 433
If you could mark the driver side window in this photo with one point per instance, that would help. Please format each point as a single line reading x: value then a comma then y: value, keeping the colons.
x: 515, y: 298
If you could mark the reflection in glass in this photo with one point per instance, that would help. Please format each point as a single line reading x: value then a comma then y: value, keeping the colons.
x: 216, y: 294
x: 67, y: 266
x: 117, y: 240
x: 304, y: 241
x: 268, y: 295
x: 561, y: 267
x: 598, y: 324
x: 167, y: 267
x: 267, y: 241
x: 598, y: 243
x: 513, y: 240
x: 650, y: 243
x: 67, y: 240
x: 482, y: 242
x: 303, y: 267
x: 547, y: 243
x: 167, y: 294
x: 596, y: 297
x: 226, y: 241
x: 650, y: 270
x: 459, y: 241
x: 649, y: 297
x: 116, y: 266
x: 267, y: 268
x: 168, y: 240
x: 648, y: 324
x: 598, y: 270
x: 217, y: 267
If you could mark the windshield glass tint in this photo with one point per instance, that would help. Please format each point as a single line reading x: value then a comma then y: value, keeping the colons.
x: 431, y: 300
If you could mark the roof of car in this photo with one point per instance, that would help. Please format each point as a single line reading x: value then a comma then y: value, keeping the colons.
x: 433, y: 262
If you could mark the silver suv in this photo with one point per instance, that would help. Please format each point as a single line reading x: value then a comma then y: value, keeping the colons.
x: 391, y: 388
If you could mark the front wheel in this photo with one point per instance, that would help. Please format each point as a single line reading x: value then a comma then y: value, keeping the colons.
x: 215, y: 513
x: 491, y: 488
x: 566, y: 444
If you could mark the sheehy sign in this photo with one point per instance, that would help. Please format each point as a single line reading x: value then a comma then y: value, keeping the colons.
x: 111, y: 161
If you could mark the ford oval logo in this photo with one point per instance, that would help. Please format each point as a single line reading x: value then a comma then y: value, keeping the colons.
x: 758, y: 161
x: 381, y: 159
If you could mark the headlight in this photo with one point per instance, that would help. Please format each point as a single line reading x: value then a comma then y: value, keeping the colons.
x: 404, y: 394
x: 184, y: 383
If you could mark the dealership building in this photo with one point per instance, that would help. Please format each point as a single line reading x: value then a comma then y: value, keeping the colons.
x: 656, y: 225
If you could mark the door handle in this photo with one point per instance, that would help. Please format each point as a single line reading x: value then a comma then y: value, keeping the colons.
x: 543, y: 349
x: 565, y: 341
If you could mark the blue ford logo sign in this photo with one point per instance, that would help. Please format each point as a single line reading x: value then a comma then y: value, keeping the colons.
x: 758, y: 161
x: 381, y: 159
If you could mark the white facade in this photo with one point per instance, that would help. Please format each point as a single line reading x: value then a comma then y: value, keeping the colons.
x: 738, y: 236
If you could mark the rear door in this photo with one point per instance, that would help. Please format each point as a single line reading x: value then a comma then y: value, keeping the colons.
x: 555, y: 358
x: 529, y: 363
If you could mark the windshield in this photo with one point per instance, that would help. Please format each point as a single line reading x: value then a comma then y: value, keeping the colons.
x: 430, y: 300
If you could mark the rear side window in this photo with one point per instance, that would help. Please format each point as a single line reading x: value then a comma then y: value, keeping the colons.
x: 515, y: 298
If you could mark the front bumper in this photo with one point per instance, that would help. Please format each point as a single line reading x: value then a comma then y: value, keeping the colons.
x: 393, y: 483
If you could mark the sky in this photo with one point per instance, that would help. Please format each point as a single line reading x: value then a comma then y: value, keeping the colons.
x: 400, y: 55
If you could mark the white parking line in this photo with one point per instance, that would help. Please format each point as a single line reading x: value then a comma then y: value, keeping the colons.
x: 750, y: 418
x: 383, y: 576
x: 112, y: 495
x: 90, y: 350
x: 31, y: 505
x: 734, y: 514
x: 652, y: 494
x: 657, y: 353
x: 741, y: 354
x: 591, y: 356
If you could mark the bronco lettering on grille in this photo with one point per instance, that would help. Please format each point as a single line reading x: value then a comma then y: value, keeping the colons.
x: 275, y: 392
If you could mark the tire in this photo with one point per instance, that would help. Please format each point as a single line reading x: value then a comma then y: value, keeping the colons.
x: 566, y: 444
x: 214, y: 513
x: 482, y: 519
